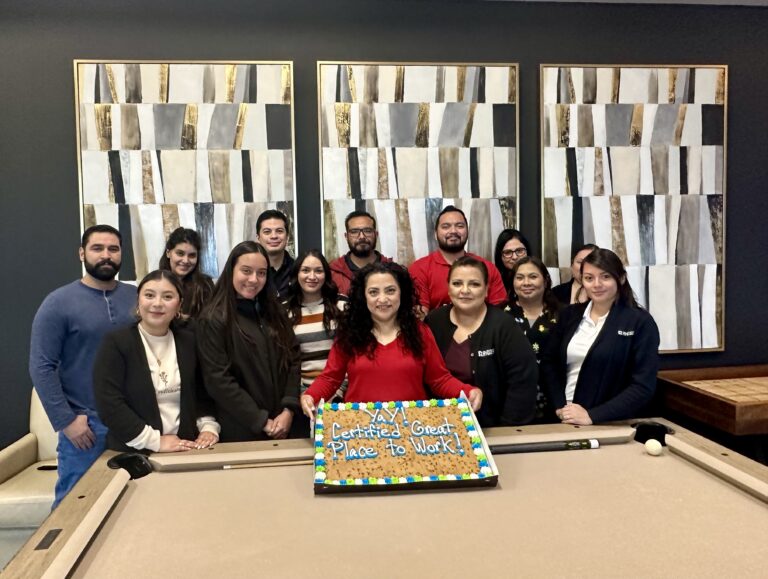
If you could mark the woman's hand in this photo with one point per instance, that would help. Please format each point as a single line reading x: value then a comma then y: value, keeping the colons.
x: 280, y: 426
x: 172, y: 443
x: 574, y: 414
x: 475, y: 399
x: 206, y: 439
x: 308, y: 405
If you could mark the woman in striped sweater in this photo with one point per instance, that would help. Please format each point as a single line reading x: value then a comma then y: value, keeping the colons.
x: 314, y: 306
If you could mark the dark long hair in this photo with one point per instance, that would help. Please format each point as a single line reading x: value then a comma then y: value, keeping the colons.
x: 355, y: 332
x: 329, y: 292
x: 501, y: 241
x: 551, y: 303
x: 196, y: 286
x: 223, y: 305
x: 610, y: 263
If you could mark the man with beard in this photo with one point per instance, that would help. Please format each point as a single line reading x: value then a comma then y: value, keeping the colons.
x: 66, y: 334
x: 430, y: 273
x: 361, y: 236
x: 272, y: 235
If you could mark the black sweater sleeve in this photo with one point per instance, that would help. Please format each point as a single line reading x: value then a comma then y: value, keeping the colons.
x: 219, y: 380
x: 520, y: 375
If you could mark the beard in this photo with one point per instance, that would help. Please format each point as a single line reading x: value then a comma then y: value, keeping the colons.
x: 105, y: 270
x: 362, y: 249
x: 453, y: 244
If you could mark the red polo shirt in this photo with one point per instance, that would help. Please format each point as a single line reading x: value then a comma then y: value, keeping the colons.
x: 430, y: 275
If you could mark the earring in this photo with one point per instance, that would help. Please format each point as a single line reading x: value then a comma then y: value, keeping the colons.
x: 138, y: 315
x: 178, y: 315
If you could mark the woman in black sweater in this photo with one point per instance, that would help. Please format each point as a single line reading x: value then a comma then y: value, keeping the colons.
x: 535, y: 310
x: 248, y: 351
x: 482, y: 346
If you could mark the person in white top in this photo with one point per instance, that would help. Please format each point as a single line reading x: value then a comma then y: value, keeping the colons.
x: 146, y: 377
x: 601, y: 362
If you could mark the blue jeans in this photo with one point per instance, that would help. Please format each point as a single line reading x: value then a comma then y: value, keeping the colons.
x: 74, y: 462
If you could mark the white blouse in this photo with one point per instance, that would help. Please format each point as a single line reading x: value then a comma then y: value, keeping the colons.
x: 578, y: 347
x: 164, y: 369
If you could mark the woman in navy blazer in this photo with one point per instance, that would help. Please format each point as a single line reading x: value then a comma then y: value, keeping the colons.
x: 147, y: 382
x: 602, y: 359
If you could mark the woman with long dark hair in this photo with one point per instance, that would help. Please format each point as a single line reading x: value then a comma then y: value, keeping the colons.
x: 146, y: 381
x: 511, y: 245
x: 385, y: 351
x: 182, y: 257
x: 601, y: 361
x: 248, y: 351
x: 314, y: 308
x: 535, y: 309
x: 532, y: 303
x: 572, y: 292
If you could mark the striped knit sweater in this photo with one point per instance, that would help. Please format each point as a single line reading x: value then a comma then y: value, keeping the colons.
x: 315, y: 342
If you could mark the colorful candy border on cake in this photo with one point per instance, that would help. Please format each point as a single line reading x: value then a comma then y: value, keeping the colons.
x: 486, y: 467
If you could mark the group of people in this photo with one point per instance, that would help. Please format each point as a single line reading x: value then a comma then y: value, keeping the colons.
x: 188, y: 362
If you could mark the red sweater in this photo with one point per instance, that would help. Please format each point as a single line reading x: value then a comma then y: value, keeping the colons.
x: 392, y: 374
x: 430, y: 276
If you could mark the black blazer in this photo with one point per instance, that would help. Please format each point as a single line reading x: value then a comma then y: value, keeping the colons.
x: 618, y: 376
x: 124, y: 393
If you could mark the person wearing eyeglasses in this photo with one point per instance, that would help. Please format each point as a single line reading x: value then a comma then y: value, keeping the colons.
x: 361, y: 236
x: 511, y: 246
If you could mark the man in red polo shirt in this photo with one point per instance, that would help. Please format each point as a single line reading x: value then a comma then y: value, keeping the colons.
x: 430, y: 273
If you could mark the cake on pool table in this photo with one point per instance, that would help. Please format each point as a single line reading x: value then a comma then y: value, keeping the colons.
x: 400, y: 445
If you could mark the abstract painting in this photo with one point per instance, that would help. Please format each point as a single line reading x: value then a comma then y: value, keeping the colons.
x: 633, y: 160
x: 207, y: 146
x: 402, y: 141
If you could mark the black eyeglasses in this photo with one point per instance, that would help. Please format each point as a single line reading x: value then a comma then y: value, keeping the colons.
x: 355, y: 232
x: 519, y: 252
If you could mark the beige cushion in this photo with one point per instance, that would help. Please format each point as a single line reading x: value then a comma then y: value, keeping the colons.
x: 40, y: 426
x: 18, y: 456
x: 26, y: 499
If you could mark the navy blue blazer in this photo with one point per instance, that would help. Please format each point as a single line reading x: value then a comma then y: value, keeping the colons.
x: 618, y: 376
x: 124, y: 392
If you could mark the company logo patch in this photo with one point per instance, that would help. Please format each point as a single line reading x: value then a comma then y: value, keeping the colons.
x: 626, y: 333
x: 485, y: 353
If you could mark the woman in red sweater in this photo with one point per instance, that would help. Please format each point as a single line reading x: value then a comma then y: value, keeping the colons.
x: 385, y: 351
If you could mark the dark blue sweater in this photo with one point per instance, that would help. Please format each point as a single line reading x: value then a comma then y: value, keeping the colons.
x: 66, y: 334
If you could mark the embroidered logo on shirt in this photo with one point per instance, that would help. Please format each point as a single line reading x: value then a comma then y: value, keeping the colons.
x: 485, y: 353
x: 626, y: 333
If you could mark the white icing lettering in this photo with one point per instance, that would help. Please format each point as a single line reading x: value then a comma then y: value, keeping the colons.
x: 419, y: 429
x: 443, y: 445
x: 348, y: 452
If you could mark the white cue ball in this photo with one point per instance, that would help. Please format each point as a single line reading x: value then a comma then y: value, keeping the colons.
x: 653, y: 447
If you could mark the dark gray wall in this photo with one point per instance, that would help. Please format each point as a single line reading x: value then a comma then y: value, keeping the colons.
x: 39, y: 218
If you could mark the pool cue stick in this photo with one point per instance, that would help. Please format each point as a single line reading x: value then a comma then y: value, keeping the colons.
x: 266, y: 464
x: 545, y: 446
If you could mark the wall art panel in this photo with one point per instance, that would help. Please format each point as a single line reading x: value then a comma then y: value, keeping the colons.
x: 401, y: 141
x: 633, y: 159
x: 207, y: 146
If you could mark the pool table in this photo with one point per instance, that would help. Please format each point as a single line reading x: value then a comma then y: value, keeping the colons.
x: 248, y: 510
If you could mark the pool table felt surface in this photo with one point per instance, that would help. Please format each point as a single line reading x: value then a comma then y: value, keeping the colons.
x: 605, y: 512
